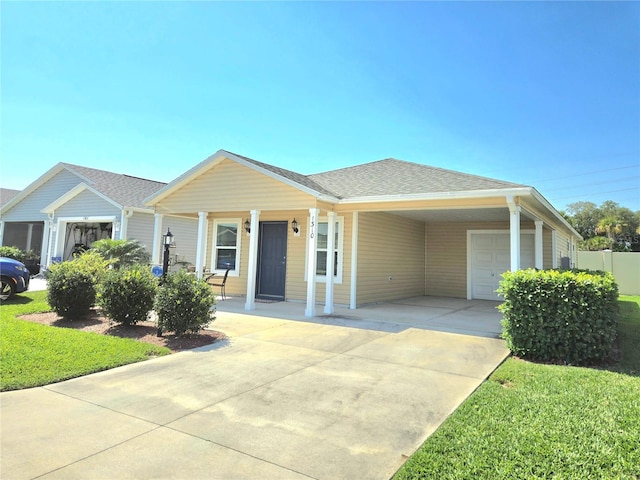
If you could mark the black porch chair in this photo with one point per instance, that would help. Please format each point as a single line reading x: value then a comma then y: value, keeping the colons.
x: 211, y: 281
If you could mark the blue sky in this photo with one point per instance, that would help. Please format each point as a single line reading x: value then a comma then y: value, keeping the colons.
x: 543, y: 93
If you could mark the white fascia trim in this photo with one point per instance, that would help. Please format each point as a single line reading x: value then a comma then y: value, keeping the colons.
x: 45, y: 177
x: 57, y: 203
x: 140, y: 210
x: 466, y: 194
x: 545, y: 203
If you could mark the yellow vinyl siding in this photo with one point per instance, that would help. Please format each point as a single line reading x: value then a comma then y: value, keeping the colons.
x: 389, y: 245
x: 233, y: 187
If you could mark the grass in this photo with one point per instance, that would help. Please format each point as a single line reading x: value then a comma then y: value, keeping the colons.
x: 537, y: 421
x: 32, y: 354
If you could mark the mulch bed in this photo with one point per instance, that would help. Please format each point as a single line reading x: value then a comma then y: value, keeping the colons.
x: 143, y: 331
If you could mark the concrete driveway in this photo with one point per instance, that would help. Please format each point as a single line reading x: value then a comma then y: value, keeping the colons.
x: 336, y: 397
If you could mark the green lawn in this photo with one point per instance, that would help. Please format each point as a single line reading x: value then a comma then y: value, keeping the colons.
x: 32, y: 354
x: 530, y: 421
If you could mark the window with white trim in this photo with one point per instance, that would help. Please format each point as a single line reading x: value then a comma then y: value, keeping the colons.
x: 225, y: 251
x: 321, y: 250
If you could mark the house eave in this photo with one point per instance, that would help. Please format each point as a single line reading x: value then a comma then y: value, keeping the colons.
x: 458, y: 195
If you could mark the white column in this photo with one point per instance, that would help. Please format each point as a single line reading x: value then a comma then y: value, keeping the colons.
x: 201, y: 248
x: 157, y: 239
x: 354, y: 263
x: 252, y: 267
x: 124, y: 223
x: 29, y: 236
x: 514, y: 231
x: 310, y: 311
x: 538, y: 245
x: 2, y: 232
x: 554, y: 249
x: 44, y: 243
x: 331, y: 245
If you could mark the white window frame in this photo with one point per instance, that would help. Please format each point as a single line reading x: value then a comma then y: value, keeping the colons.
x: 214, y: 244
x: 337, y: 279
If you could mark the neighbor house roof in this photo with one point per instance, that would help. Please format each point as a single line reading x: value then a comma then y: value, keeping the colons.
x: 123, y: 190
x: 7, y: 194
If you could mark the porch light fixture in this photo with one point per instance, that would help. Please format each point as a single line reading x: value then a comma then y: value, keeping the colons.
x: 247, y: 226
x: 294, y: 226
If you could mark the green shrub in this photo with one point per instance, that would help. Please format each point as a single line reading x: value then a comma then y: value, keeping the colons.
x: 121, y: 253
x: 12, y: 252
x: 126, y: 296
x: 72, y: 285
x: 184, y: 304
x: 568, y: 316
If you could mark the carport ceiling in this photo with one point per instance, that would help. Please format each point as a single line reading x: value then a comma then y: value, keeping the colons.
x: 459, y: 215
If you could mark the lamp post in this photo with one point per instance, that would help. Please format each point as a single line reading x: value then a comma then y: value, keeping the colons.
x: 167, y: 240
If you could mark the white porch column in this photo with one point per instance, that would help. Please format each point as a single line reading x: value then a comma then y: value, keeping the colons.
x: 310, y: 311
x: 252, y: 267
x: 554, y: 249
x: 53, y: 227
x: 124, y: 223
x: 538, y: 244
x: 514, y: 231
x: 354, y: 263
x: 157, y: 239
x: 44, y: 243
x: 201, y: 248
x: 2, y: 232
x: 29, y: 236
x: 331, y: 245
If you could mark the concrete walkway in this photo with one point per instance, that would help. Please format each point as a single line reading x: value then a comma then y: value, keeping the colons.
x: 336, y: 397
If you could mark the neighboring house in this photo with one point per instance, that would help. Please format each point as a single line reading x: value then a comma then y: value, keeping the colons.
x: 386, y: 230
x: 70, y: 207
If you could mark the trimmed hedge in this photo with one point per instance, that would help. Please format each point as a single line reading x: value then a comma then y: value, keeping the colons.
x: 71, y: 286
x: 126, y: 296
x: 568, y: 316
x: 184, y: 304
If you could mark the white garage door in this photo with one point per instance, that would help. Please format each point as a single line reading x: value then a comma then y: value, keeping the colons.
x: 490, y: 258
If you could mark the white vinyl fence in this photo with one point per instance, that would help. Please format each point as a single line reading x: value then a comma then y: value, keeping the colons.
x: 625, y: 267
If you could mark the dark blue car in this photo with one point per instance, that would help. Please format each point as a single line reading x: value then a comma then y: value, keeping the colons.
x: 14, y: 276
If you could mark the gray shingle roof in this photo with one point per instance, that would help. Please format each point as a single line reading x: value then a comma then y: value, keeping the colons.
x: 398, y: 177
x: 386, y: 177
x: 125, y: 190
x: 7, y: 194
x: 298, y: 178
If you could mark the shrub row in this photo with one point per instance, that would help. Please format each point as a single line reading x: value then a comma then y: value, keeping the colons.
x: 127, y: 295
x: 568, y: 316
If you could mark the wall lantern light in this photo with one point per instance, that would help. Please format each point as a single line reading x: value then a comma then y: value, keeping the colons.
x: 247, y: 226
x: 294, y: 226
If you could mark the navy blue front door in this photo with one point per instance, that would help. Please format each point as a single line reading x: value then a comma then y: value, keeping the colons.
x: 272, y: 260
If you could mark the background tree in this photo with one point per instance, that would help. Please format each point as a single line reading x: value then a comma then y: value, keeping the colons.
x: 607, y: 226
